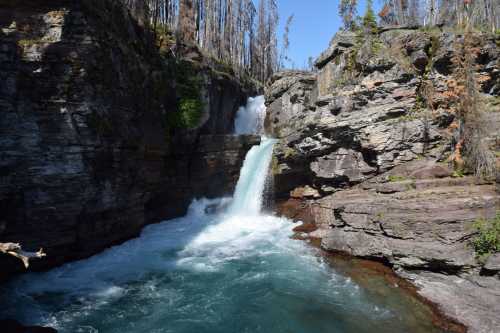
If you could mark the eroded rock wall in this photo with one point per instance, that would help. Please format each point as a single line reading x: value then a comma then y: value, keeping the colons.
x: 363, y: 156
x: 87, y: 156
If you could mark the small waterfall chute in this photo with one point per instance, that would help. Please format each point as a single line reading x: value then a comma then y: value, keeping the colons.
x: 249, y: 192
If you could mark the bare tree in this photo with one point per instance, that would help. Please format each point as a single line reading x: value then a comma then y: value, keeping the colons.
x: 347, y: 10
x: 481, y: 14
x: 186, y: 31
x: 232, y: 31
x: 286, y: 42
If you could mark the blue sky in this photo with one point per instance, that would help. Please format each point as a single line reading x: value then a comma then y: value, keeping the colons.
x: 315, y: 22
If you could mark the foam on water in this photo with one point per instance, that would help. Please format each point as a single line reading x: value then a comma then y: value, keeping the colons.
x: 214, y: 270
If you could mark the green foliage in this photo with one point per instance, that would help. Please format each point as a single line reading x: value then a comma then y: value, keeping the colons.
x: 493, y: 101
x: 275, y: 167
x: 487, y: 240
x: 419, y: 102
x: 396, y: 178
x: 430, y: 29
x: 165, y: 38
x: 25, y: 43
x: 369, y: 19
x: 189, y: 113
x: 289, y: 152
x: 189, y: 105
x: 435, y: 44
x: 459, y: 173
x: 376, y: 45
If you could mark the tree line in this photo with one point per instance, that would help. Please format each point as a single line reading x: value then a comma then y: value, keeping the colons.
x: 234, y: 32
x: 481, y: 14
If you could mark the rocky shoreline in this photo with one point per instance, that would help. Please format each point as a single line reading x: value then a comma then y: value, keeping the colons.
x: 362, y: 270
x: 364, y: 162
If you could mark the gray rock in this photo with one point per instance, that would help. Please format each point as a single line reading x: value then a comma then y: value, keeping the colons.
x: 470, y: 299
x: 340, y: 165
x: 340, y: 42
x: 419, y: 59
x: 357, y: 134
x: 493, y: 263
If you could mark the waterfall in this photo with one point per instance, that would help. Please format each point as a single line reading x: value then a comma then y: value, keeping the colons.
x: 249, y: 191
x: 248, y: 196
x: 250, y: 118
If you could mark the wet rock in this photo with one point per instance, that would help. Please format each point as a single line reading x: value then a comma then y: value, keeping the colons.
x: 470, y: 299
x: 12, y: 326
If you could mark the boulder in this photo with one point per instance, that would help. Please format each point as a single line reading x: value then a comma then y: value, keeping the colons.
x: 493, y: 263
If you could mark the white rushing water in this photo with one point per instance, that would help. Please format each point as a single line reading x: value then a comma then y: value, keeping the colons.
x: 223, y: 268
x: 250, y: 118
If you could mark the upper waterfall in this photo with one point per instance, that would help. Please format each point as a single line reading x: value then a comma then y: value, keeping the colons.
x: 249, y: 192
x: 250, y: 118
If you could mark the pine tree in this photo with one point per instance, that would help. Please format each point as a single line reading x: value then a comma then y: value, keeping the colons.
x: 369, y: 20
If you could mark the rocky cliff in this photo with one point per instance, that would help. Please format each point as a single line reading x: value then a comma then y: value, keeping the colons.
x: 91, y: 142
x: 362, y: 155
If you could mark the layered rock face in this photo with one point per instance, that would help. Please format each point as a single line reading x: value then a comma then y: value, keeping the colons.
x: 364, y: 158
x: 87, y: 154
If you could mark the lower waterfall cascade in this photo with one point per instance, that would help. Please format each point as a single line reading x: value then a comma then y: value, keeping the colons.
x: 226, y: 266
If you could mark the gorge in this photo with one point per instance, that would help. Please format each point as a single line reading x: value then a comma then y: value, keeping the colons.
x: 173, y: 191
x: 224, y: 267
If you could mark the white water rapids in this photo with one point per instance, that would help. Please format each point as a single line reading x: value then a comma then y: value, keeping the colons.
x: 224, y: 267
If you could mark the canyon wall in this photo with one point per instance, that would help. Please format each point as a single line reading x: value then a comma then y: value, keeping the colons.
x: 89, y: 151
x: 363, y: 157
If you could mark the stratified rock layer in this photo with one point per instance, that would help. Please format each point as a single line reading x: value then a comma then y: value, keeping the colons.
x: 362, y: 154
x: 87, y: 154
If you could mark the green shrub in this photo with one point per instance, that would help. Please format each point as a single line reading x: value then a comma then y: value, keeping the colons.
x: 189, y: 115
x: 395, y: 178
x: 369, y: 19
x: 487, y: 240
x: 459, y: 173
x: 189, y: 104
